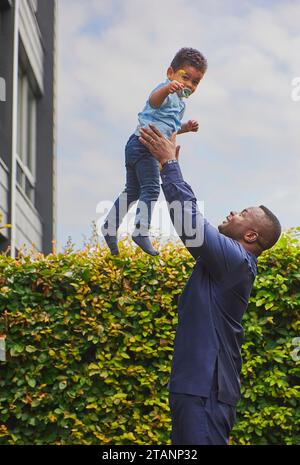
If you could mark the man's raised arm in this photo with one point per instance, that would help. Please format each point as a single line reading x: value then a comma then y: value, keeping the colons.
x: 220, y: 253
x: 183, y: 209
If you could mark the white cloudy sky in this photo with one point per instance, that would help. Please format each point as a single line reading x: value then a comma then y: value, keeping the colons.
x: 112, y: 53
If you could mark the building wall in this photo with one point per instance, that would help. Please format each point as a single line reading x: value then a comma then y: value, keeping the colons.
x: 46, y: 137
x: 31, y: 40
x: 29, y: 225
x: 34, y: 213
x: 4, y: 201
x: 6, y: 73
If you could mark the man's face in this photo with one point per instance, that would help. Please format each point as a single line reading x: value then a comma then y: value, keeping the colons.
x: 187, y: 75
x: 236, y: 225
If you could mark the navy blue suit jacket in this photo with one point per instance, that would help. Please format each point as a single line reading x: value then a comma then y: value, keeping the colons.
x: 209, y: 333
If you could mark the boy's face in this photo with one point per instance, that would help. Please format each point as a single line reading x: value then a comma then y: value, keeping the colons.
x: 187, y: 75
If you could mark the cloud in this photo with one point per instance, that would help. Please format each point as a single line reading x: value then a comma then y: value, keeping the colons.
x: 113, y: 53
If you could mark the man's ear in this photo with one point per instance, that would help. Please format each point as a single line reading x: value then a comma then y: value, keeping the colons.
x: 250, y: 237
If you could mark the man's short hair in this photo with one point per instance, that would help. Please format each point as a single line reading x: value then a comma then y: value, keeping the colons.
x: 191, y: 57
x: 272, y: 231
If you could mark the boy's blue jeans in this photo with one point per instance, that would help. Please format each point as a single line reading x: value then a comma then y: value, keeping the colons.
x: 142, y: 184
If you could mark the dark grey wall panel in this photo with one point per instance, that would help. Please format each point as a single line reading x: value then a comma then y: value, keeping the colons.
x: 45, y: 138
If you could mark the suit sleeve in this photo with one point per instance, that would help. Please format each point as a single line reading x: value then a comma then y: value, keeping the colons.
x: 219, y: 253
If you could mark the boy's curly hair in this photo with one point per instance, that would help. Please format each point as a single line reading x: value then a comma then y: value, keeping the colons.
x: 191, y: 57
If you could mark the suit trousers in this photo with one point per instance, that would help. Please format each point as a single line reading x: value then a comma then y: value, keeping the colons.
x: 200, y: 420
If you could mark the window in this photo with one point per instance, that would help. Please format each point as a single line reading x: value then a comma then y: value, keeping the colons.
x: 26, y: 144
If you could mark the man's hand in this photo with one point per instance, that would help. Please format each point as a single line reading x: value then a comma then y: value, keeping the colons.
x: 190, y: 126
x: 175, y: 86
x: 161, y: 148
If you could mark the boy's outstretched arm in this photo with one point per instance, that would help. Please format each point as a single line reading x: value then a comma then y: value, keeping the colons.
x: 159, y: 96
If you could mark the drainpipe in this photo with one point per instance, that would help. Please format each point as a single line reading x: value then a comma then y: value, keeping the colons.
x: 14, y: 129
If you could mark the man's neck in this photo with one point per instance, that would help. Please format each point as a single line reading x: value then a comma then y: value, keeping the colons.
x: 253, y: 248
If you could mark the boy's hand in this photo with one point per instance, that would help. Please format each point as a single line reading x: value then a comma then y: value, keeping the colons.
x: 175, y: 86
x: 191, y: 126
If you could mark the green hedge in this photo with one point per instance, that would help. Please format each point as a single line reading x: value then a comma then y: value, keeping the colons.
x: 90, y: 340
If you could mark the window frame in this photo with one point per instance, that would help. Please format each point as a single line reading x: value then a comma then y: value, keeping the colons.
x: 26, y: 135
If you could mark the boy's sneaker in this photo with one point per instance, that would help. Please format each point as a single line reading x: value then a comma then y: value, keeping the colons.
x: 144, y: 243
x: 111, y: 241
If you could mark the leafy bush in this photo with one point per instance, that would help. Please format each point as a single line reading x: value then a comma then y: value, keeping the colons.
x: 90, y: 340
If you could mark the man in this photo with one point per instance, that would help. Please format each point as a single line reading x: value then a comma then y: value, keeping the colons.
x: 204, y: 384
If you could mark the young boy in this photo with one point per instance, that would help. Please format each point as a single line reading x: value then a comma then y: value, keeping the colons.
x: 164, y: 108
